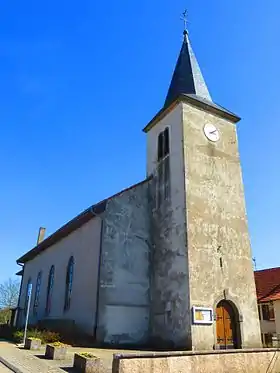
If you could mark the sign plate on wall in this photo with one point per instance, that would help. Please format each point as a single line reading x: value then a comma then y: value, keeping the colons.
x: 202, y: 315
x: 29, y: 290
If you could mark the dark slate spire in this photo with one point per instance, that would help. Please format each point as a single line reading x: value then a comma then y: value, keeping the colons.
x: 187, y: 77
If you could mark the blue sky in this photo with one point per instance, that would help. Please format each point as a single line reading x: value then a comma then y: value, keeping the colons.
x: 79, y: 81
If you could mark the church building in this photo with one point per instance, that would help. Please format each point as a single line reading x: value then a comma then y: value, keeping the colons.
x: 166, y: 262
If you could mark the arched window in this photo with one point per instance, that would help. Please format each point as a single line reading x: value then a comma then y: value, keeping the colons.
x: 163, y: 168
x: 27, y: 294
x: 37, y: 293
x: 50, y: 290
x: 69, y: 284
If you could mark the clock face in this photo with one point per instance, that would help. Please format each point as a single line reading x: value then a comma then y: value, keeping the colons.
x: 211, y: 132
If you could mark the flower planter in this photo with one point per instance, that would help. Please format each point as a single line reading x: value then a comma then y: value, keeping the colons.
x: 87, y: 363
x: 55, y: 352
x: 32, y: 344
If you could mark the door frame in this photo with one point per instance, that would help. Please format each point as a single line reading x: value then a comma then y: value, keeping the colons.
x: 237, y: 320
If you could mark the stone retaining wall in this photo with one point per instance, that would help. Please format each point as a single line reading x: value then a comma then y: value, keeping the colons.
x: 253, y: 361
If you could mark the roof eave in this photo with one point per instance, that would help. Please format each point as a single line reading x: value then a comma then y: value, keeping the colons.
x: 74, y: 224
x: 212, y: 108
x: 64, y: 231
x: 160, y: 114
x: 268, y: 299
x: 193, y: 101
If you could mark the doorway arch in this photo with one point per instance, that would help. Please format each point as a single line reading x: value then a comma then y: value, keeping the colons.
x: 227, y: 326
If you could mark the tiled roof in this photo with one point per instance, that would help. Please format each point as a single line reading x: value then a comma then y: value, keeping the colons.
x: 268, y: 284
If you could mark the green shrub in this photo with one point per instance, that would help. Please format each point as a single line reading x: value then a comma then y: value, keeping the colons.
x: 34, y: 334
x: 88, y: 355
x: 50, y: 337
x: 57, y: 344
x: 18, y: 336
x: 45, y: 336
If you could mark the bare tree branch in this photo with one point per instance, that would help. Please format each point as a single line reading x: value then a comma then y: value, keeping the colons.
x: 9, y: 292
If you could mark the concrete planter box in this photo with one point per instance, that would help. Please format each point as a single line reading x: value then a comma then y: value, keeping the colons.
x: 32, y: 344
x: 84, y: 364
x: 55, y: 352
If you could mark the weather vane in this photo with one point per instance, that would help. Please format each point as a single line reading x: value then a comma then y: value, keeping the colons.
x: 185, y: 19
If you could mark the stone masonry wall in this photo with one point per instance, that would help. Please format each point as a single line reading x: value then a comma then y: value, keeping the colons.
x: 249, y: 361
x: 219, y: 252
x: 170, y: 310
x: 124, y: 298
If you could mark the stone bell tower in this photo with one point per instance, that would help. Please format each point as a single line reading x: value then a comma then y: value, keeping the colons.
x: 202, y: 286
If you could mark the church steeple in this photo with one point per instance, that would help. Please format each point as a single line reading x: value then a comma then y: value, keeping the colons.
x: 187, y: 77
x: 188, y: 85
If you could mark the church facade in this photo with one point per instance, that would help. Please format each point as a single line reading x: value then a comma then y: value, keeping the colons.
x: 166, y: 262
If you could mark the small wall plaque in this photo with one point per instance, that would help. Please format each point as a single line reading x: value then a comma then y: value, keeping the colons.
x: 202, y: 315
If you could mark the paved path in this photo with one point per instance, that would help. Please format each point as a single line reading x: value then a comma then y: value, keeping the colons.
x: 25, y: 361
x: 21, y: 361
x: 4, y: 369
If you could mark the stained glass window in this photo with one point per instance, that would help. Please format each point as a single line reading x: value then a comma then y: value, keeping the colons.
x: 69, y: 283
x: 50, y: 290
x: 37, y: 293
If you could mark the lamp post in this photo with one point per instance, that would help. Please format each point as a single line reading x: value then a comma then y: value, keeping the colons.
x: 29, y: 292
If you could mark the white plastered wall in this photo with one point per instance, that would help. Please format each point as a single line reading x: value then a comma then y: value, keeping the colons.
x: 84, y: 245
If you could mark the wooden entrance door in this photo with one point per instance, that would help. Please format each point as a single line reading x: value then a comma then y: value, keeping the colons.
x: 225, y: 326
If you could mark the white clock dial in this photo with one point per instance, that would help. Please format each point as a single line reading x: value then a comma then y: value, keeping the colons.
x: 211, y: 132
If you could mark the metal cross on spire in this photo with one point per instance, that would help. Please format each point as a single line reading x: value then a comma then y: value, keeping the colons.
x: 185, y: 19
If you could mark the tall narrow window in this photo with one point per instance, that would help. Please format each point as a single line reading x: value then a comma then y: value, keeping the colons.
x: 37, y: 293
x: 69, y: 284
x: 50, y: 290
x: 27, y: 295
x: 166, y: 142
x: 259, y: 310
x: 160, y: 146
x: 268, y: 311
x: 163, y: 171
x: 163, y: 144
